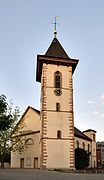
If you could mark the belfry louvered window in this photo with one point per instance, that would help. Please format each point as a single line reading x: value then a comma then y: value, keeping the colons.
x: 58, y: 79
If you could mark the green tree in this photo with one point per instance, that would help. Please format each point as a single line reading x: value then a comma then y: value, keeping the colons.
x: 81, y: 159
x: 10, y: 140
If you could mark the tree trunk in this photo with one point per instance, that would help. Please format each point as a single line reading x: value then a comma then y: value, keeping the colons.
x: 2, y: 162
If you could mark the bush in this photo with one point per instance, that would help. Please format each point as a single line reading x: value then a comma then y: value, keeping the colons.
x: 81, y: 159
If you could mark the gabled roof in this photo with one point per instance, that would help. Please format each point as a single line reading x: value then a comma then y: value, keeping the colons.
x: 80, y: 134
x: 29, y: 107
x: 56, y: 50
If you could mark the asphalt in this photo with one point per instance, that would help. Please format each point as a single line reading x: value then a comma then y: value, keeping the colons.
x: 32, y: 174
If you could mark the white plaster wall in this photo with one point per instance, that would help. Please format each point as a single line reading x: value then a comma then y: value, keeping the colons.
x: 90, y: 134
x: 58, y: 154
x: 57, y: 121
x: 93, y: 147
x: 31, y: 120
x: 31, y: 152
x: 58, y: 150
x: 94, y: 163
x: 52, y: 99
x: 81, y: 143
x: 51, y: 69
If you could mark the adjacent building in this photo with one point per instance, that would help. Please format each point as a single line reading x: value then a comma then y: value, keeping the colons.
x: 100, y: 154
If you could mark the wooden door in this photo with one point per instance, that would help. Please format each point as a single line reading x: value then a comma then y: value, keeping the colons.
x: 35, y: 162
x: 22, y: 163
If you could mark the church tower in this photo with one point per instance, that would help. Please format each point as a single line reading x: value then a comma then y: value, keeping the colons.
x: 54, y: 72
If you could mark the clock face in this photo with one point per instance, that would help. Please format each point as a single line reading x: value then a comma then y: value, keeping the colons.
x: 57, y: 92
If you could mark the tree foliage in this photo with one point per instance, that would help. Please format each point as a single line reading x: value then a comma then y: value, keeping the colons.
x: 5, y: 115
x: 10, y: 140
x: 81, y: 159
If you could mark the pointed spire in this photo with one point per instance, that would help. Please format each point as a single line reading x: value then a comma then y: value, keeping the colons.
x: 56, y: 50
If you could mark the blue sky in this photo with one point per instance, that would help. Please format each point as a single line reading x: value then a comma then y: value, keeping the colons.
x: 26, y: 30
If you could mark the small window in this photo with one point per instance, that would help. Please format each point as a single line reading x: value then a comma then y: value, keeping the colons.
x: 77, y: 144
x: 29, y: 141
x: 59, y: 134
x: 57, y: 106
x: 83, y: 145
x: 57, y: 79
x: 93, y: 137
x: 99, y: 145
x: 94, y: 164
x: 88, y: 148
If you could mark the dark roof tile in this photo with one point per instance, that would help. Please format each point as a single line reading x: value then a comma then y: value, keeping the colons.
x: 56, y: 50
x: 80, y: 134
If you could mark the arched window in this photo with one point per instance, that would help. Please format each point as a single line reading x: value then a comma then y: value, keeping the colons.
x: 77, y: 144
x: 57, y: 79
x: 93, y: 137
x: 88, y: 148
x: 83, y: 145
x: 57, y: 106
x: 94, y: 164
x: 29, y: 141
x: 59, y: 134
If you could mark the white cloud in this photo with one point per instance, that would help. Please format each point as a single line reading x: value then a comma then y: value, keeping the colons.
x: 90, y: 102
x: 102, y: 115
x: 95, y: 112
x: 102, y: 96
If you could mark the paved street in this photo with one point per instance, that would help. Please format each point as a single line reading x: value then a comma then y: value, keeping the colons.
x: 31, y: 174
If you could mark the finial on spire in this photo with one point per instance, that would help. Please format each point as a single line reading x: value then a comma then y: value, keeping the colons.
x: 55, y: 24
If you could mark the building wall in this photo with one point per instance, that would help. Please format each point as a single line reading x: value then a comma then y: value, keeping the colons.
x: 30, y: 121
x: 57, y: 149
x: 53, y: 121
x: 29, y: 155
x: 92, y: 135
x: 92, y: 149
x: 81, y: 141
x: 100, y: 154
x: 58, y: 153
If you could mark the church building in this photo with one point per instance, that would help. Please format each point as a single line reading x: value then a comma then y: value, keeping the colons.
x: 53, y: 138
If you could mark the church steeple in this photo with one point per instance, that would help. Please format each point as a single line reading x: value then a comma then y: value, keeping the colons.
x: 56, y: 50
x: 54, y: 71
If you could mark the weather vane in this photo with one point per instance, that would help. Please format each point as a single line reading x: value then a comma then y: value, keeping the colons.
x: 55, y: 24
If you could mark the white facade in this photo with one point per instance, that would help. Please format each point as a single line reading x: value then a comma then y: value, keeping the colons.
x: 56, y: 121
x: 92, y: 135
x: 31, y: 157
